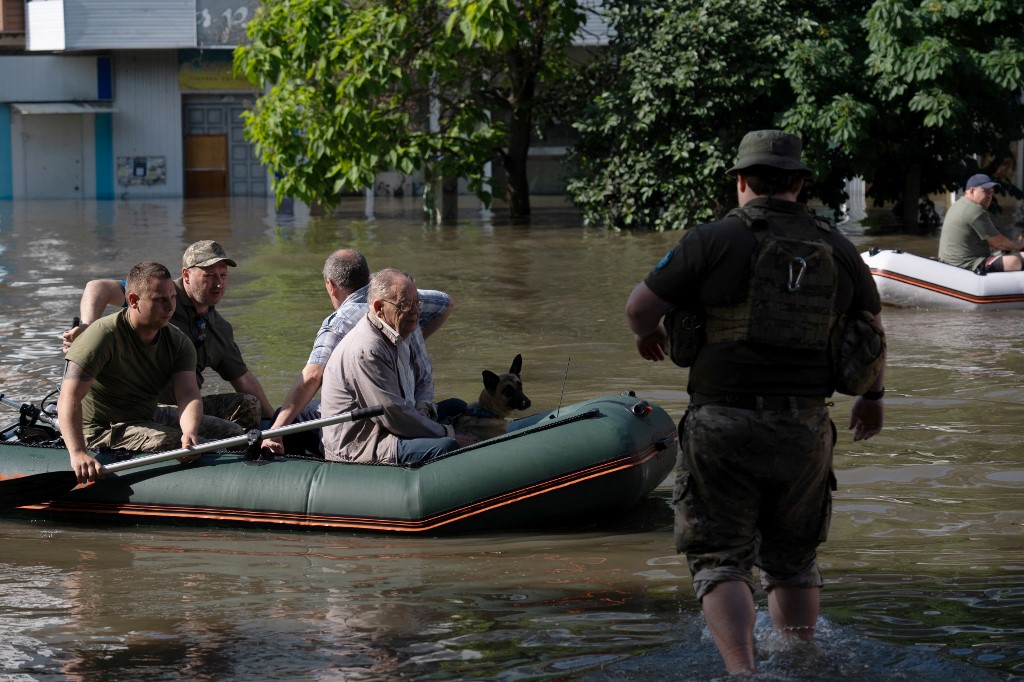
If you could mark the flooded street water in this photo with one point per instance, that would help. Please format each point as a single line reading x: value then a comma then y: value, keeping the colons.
x: 924, y: 566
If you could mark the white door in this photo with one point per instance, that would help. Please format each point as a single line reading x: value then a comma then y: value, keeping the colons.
x: 53, y: 149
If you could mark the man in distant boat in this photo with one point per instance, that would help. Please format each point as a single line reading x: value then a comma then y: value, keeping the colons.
x: 347, y: 280
x: 372, y: 366
x: 970, y: 239
x: 203, y: 281
x: 116, y: 370
x: 754, y: 473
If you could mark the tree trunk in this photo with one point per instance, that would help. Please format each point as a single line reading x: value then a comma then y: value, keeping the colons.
x: 449, y: 210
x: 520, y: 129
x: 912, y: 196
x: 441, y: 201
x: 517, y: 188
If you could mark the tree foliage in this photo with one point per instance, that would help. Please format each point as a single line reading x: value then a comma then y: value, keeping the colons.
x: 903, y: 93
x: 678, y: 86
x: 355, y: 87
x: 913, y: 94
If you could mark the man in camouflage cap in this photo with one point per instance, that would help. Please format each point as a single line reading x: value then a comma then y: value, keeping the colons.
x: 204, y: 253
x: 203, y: 281
x: 754, y: 473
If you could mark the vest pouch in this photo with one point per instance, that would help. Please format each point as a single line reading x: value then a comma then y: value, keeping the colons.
x: 686, y: 335
x: 792, y: 293
x: 857, y: 353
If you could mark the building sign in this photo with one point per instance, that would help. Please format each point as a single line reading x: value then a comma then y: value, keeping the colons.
x: 200, y: 71
x: 222, y: 23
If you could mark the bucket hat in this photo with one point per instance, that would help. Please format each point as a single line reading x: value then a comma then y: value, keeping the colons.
x: 772, y: 148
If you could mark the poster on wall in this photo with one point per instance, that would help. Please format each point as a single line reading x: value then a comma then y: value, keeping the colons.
x: 141, y: 170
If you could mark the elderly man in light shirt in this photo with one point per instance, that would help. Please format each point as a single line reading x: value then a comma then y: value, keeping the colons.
x: 372, y: 366
x: 347, y: 280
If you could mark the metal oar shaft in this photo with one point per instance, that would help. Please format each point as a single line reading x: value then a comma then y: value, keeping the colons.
x: 36, y: 488
x: 213, y: 446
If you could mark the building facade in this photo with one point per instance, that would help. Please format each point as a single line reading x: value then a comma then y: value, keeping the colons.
x: 109, y: 99
x: 104, y: 99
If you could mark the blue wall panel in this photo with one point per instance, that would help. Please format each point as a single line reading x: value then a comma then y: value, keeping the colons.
x: 6, y: 177
x: 104, y: 78
x: 103, y: 133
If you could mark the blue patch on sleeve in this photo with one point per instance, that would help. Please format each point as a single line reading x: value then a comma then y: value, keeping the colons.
x: 664, y: 261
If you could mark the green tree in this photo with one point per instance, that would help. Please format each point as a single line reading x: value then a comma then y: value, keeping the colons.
x: 678, y: 86
x: 910, y: 95
x: 907, y: 94
x: 355, y: 87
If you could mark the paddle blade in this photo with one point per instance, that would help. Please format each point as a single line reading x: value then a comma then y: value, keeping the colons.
x: 36, y: 488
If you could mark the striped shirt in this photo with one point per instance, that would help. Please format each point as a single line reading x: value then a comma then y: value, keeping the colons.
x: 354, y: 308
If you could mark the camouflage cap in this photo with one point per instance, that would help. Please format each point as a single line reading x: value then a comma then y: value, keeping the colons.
x: 204, y: 253
x: 772, y: 148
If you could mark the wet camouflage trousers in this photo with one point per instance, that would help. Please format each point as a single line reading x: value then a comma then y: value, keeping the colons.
x: 753, y: 489
x: 225, y: 415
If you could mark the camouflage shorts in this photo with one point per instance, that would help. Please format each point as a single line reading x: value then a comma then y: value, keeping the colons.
x: 241, y: 408
x: 138, y: 437
x: 225, y: 415
x: 753, y: 490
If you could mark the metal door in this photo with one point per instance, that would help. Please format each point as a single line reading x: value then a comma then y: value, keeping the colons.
x: 53, y: 155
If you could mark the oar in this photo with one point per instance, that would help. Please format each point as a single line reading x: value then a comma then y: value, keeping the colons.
x: 36, y: 488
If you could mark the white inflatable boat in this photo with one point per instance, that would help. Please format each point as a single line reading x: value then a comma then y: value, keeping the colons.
x: 910, y: 281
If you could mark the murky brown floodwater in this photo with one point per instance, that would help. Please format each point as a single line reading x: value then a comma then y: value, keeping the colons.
x: 924, y: 569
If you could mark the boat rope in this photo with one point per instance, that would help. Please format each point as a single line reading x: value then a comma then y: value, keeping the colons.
x: 519, y: 433
x: 589, y: 414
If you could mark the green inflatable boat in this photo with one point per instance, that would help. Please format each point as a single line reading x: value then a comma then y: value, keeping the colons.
x: 590, y: 460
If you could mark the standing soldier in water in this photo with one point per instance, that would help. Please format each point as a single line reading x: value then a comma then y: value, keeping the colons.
x: 754, y: 476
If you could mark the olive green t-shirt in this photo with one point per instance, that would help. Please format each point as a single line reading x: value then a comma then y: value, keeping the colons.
x: 965, y: 229
x: 127, y: 374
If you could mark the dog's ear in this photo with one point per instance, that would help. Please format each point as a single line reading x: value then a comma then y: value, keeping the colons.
x: 490, y: 380
x: 517, y: 365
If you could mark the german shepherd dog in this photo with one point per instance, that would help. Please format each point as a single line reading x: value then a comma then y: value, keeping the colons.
x: 502, y: 395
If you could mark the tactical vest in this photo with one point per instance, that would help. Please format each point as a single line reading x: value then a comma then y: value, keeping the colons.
x: 790, y: 299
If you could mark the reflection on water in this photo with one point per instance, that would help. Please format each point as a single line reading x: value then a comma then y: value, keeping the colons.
x: 923, y: 570
x: 186, y: 604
